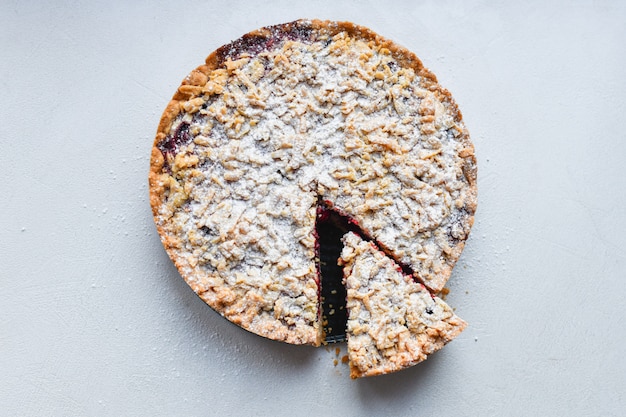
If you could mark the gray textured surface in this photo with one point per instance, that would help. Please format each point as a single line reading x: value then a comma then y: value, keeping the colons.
x: 95, y: 320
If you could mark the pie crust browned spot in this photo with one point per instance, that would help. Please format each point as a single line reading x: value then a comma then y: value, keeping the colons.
x: 282, y: 120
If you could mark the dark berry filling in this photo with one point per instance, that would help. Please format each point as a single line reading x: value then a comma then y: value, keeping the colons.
x: 255, y: 43
x: 169, y: 146
x: 330, y: 228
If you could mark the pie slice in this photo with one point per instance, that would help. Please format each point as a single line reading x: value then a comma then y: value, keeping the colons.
x: 393, y: 322
x: 289, y: 118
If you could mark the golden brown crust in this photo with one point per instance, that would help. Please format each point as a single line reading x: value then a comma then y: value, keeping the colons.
x: 169, y: 191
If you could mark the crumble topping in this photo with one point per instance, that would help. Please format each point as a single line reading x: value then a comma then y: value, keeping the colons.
x: 270, y: 125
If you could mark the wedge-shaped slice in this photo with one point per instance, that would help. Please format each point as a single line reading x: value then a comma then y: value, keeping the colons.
x: 393, y: 322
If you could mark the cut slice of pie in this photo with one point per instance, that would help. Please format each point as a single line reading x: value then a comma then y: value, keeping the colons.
x: 393, y: 322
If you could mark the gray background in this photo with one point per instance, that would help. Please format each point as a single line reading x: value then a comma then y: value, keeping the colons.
x: 95, y: 320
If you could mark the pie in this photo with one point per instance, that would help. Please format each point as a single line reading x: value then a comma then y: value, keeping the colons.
x: 393, y: 321
x: 291, y: 121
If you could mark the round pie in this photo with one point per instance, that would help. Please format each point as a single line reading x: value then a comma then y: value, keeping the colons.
x: 296, y: 119
x: 393, y: 322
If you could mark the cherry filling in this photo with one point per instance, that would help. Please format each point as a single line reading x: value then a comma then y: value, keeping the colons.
x: 169, y: 146
x: 257, y: 42
x: 330, y: 228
